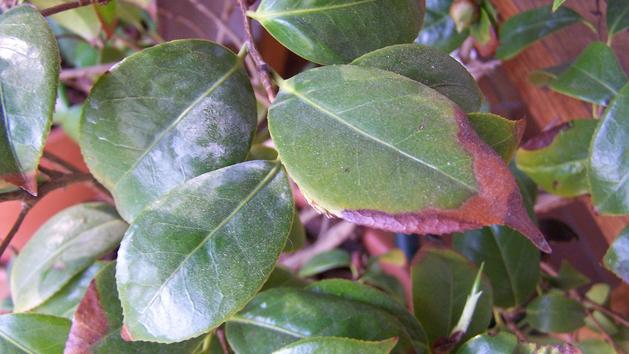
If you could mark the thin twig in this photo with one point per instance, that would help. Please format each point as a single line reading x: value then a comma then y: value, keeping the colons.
x: 228, y: 9
x: 218, y: 21
x: 70, y: 74
x: 604, y: 334
x: 220, y: 334
x: 183, y: 21
x: 508, y: 320
x: 261, y: 66
x: 59, y: 162
x: 25, y: 207
x: 71, y: 5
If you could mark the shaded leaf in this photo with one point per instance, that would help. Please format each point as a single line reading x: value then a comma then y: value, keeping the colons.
x: 599, y: 294
x: 595, y: 346
x: 503, y: 342
x: 609, y: 162
x: 336, y: 345
x: 29, y: 59
x: 82, y: 21
x: 617, y: 257
x: 97, y: 324
x: 481, y: 30
x: 261, y: 152
x: 568, y: 277
x: 297, y: 236
x: 385, y: 282
x: 65, y: 302
x: 441, y: 280
x: 501, y: 134
x: 439, y: 30
x: 617, y: 16
x: 595, y: 76
x: 543, y: 77
x: 278, y: 317
x: 511, y: 262
x: 353, y: 137
x: 140, y: 138
x: 211, y: 243
x: 526, y: 28
x: 430, y: 67
x: 66, y: 245
x: 325, y: 261
x: 339, y: 31
x: 528, y: 189
x: 281, y: 277
x: 555, y: 313
x: 24, y: 333
x: 557, y: 158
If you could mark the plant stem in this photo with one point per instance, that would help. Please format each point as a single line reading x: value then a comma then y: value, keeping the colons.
x: 255, y: 55
x: 71, y: 5
x: 25, y: 207
x: 604, y: 334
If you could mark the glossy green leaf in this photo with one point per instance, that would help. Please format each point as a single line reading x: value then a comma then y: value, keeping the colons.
x: 26, y: 333
x: 503, y: 135
x: 65, y: 302
x: 82, y: 21
x: 617, y: 16
x: 557, y: 4
x: 281, y: 277
x: 431, y: 67
x: 297, y: 236
x: 29, y: 61
x: 339, y: 31
x: 617, y: 257
x: 502, y: 343
x: 568, y: 277
x: 595, y: 76
x: 596, y: 346
x: 555, y: 313
x: 278, y: 317
x: 97, y: 324
x: 353, y: 137
x: 441, y: 280
x: 557, y: 159
x: 439, y: 30
x: 66, y: 245
x: 526, y: 28
x: 203, y: 251
x: 146, y: 130
x: 385, y: 282
x: 609, y: 162
x: 511, y: 262
x: 325, y: 261
x: 336, y: 345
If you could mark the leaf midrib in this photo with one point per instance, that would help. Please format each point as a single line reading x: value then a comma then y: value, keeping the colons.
x: 265, y: 181
x: 19, y: 345
x: 261, y: 16
x: 336, y: 117
x: 179, y: 118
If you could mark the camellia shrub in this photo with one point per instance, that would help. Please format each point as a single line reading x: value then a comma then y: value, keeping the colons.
x: 199, y: 151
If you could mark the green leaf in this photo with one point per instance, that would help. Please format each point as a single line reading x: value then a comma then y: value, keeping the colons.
x: 511, y: 262
x: 503, y: 135
x: 339, y: 31
x: 261, y: 152
x: 278, y: 317
x: 325, y: 261
x: 527, y: 187
x: 555, y: 313
x: 482, y: 29
x: 66, y: 245
x: 146, y: 130
x: 69, y: 118
x: 617, y: 257
x: 97, y: 324
x: 385, y: 282
x: 297, y: 236
x: 25, y: 333
x: 29, y: 75
x: 353, y: 138
x: 596, y: 346
x: 526, y: 28
x: 281, y: 277
x: 568, y: 277
x: 503, y: 342
x: 617, y: 16
x: 82, y: 21
x: 608, y: 171
x: 441, y: 280
x: 65, y: 302
x: 595, y: 76
x: 439, y: 29
x: 557, y: 158
x: 557, y: 4
x: 336, y: 345
x: 430, y: 67
x: 543, y: 77
x: 202, y: 251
